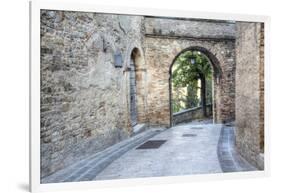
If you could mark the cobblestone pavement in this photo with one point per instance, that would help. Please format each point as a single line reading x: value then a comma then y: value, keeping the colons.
x: 189, y: 149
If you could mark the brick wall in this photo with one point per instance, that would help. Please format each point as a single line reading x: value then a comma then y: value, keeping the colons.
x: 160, y: 53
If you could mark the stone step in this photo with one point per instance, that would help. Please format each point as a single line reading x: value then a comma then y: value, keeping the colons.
x: 88, y: 168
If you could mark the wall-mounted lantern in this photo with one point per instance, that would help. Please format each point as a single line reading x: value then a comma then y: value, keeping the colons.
x: 192, y: 61
x: 118, y: 62
x: 192, y: 58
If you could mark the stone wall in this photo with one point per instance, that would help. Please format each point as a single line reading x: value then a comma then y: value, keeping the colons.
x: 188, y: 115
x: 262, y: 88
x: 162, y: 46
x: 190, y: 28
x: 249, y: 91
x: 84, y: 97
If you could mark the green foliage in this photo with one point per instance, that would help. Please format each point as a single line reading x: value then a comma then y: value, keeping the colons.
x: 186, y: 75
x: 192, y: 99
x: 179, y: 99
x: 177, y: 106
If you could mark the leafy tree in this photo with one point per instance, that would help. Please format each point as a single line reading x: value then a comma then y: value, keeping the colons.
x: 192, y: 99
x: 179, y: 98
x: 189, y: 68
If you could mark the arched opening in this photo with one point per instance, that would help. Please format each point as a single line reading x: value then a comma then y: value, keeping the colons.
x: 194, y: 76
x: 133, y: 87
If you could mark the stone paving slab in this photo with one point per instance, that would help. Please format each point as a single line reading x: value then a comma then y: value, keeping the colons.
x: 178, y: 156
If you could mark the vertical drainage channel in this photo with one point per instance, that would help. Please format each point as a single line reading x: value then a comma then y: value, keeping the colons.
x: 230, y: 160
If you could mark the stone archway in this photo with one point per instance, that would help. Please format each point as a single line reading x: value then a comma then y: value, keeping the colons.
x: 216, y: 76
x: 160, y: 53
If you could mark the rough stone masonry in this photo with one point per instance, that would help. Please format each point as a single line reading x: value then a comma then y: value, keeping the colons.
x: 85, y: 96
x: 250, y: 92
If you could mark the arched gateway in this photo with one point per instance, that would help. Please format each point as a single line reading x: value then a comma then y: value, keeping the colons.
x: 162, y: 46
x: 216, y: 76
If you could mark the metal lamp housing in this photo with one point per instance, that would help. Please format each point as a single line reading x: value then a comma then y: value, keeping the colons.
x: 118, y: 61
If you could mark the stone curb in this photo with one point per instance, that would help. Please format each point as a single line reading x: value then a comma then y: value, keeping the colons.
x: 230, y: 160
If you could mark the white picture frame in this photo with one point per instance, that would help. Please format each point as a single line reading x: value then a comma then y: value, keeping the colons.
x: 35, y: 7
